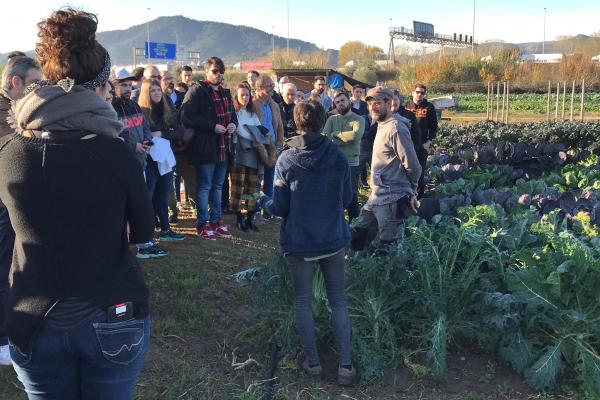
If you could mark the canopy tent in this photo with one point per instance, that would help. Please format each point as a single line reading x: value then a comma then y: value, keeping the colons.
x: 303, y: 78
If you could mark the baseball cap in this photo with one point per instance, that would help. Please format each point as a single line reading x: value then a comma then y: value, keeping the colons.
x: 380, y: 93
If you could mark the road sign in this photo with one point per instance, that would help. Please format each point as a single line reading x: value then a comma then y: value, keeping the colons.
x: 423, y: 29
x: 163, y: 51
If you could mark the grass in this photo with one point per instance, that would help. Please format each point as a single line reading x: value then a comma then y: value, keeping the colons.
x: 202, y: 319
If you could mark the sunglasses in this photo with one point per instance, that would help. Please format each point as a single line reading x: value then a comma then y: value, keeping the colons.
x: 216, y: 71
x: 419, y: 92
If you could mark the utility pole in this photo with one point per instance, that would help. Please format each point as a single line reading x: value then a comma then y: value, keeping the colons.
x: 288, y: 30
x: 544, y: 41
x: 148, y: 35
x: 473, y: 32
x: 273, y: 43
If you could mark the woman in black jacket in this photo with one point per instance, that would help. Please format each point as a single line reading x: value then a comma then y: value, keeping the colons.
x: 77, y: 317
x: 159, y: 173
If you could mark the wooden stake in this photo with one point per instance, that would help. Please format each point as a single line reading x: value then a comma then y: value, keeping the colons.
x: 497, y: 100
x: 503, y: 100
x: 572, y: 100
x: 582, y: 96
x: 507, y: 99
x: 562, y: 117
x: 557, y: 97
x: 548, y: 105
x: 487, y: 110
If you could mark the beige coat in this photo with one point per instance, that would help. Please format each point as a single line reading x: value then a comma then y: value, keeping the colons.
x: 276, y: 112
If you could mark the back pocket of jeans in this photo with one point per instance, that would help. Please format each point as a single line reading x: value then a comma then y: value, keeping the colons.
x: 121, y: 342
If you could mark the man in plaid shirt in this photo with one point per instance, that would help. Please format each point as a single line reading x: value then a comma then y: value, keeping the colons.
x: 208, y: 110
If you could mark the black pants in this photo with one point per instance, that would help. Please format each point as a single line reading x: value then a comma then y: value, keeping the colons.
x: 353, y: 209
x: 364, y: 159
x: 7, y: 243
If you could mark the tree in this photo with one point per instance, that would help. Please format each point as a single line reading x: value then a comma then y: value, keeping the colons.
x: 362, y: 54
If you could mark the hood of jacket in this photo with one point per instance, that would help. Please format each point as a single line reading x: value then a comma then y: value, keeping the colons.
x: 311, y: 151
x: 53, y: 108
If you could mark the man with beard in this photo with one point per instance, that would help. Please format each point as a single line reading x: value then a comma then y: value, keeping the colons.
x: 395, y: 172
x: 20, y: 71
x: 167, y: 85
x: 428, y: 125
x: 289, y: 102
x: 319, y: 90
x: 345, y: 129
x: 137, y: 136
x: 208, y: 110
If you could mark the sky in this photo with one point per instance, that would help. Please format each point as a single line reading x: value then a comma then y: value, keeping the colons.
x: 328, y: 24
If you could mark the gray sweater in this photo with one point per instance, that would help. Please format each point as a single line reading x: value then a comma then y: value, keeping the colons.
x: 395, y: 169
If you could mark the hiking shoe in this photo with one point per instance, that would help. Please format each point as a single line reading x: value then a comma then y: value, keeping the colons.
x: 170, y: 236
x: 173, y: 219
x: 151, y: 252
x: 5, y: 356
x: 206, y: 232
x: 346, y: 376
x: 221, y: 230
x: 314, y: 371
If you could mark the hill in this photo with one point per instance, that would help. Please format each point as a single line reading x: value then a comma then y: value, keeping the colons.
x: 230, y: 42
x: 588, y: 45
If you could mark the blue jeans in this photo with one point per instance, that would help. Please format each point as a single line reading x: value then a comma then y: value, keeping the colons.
x: 268, y: 180
x: 302, y: 280
x: 7, y: 243
x: 94, y: 361
x: 209, y: 179
x: 161, y: 186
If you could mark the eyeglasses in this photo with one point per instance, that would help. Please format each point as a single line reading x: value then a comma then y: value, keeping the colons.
x: 419, y: 92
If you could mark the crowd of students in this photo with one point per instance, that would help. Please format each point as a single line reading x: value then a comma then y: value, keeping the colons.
x: 93, y: 159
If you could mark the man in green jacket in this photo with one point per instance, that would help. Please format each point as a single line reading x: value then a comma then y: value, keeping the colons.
x: 345, y: 129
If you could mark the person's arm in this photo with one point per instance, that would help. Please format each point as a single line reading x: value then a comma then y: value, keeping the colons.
x: 432, y: 122
x: 280, y: 203
x: 138, y: 208
x: 405, y: 150
x: 358, y: 126
x: 278, y: 124
x: 190, y: 115
x: 328, y: 128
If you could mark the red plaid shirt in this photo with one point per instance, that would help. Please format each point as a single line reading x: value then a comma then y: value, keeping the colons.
x: 223, y: 110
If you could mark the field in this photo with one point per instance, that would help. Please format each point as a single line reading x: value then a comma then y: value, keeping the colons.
x: 479, y: 302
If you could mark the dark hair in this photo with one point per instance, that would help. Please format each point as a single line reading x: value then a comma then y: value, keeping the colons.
x: 214, y: 62
x: 319, y: 78
x: 253, y: 72
x: 396, y: 93
x: 187, y: 68
x: 236, y: 104
x: 309, y: 116
x: 358, y: 86
x: 340, y: 92
x: 68, y: 47
x: 183, y: 86
x: 138, y: 73
x: 421, y: 86
x: 15, y: 53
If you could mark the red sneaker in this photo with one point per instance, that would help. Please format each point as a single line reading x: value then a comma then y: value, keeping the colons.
x: 206, y: 232
x: 221, y: 230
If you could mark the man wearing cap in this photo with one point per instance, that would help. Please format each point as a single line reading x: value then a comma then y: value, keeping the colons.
x: 137, y: 136
x: 345, y: 130
x: 395, y: 172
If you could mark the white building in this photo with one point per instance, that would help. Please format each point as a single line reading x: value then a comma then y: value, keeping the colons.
x: 551, y: 58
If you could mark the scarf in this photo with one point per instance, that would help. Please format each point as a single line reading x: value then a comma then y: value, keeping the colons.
x: 54, y: 107
x: 222, y: 104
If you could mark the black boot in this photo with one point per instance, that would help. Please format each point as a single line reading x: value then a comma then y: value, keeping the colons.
x: 250, y: 222
x: 241, y: 225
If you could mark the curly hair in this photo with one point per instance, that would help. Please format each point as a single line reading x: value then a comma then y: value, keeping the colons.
x: 67, y: 46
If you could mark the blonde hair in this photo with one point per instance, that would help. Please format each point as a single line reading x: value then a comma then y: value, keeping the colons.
x: 147, y: 105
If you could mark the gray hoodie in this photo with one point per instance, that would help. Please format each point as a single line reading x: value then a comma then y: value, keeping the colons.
x: 395, y: 169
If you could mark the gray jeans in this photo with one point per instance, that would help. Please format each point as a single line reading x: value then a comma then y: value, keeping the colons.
x: 333, y: 271
x: 387, y: 220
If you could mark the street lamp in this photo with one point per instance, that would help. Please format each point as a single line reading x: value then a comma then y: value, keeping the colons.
x: 544, y: 41
x: 473, y: 32
x: 148, y: 35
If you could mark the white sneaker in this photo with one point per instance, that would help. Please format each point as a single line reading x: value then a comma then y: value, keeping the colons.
x: 5, y: 355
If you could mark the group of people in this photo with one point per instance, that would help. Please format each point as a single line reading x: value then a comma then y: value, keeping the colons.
x: 92, y: 160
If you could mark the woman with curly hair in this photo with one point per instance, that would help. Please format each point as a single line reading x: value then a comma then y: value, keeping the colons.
x: 77, y: 315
